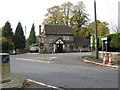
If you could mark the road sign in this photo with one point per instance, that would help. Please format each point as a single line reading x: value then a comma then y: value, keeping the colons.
x: 105, y: 38
x: 5, y: 59
x: 41, y: 45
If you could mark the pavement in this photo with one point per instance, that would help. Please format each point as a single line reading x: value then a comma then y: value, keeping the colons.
x: 31, y: 84
x: 19, y: 83
x: 91, y: 60
x: 16, y: 82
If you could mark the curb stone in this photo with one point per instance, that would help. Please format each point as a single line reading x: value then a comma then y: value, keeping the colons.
x: 96, y: 63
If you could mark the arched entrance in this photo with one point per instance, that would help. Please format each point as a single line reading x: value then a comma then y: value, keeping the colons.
x: 59, y: 48
x: 59, y: 45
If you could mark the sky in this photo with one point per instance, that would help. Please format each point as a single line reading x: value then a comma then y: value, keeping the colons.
x: 32, y: 11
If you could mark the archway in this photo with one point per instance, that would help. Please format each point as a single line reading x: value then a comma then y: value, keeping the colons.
x: 59, y: 45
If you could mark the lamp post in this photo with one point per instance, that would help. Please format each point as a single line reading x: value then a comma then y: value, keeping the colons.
x: 96, y: 46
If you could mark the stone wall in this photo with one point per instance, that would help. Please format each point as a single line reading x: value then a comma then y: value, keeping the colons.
x: 115, y: 55
x: 49, y: 43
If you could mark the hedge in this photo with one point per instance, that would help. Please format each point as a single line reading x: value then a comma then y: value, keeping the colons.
x: 113, y: 44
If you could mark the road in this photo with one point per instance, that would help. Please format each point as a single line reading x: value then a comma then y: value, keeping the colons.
x: 64, y: 69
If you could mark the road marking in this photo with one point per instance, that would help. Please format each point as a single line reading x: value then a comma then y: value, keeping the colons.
x: 52, y: 58
x: 33, y: 60
x: 49, y: 86
x: 44, y: 60
x: 31, y: 53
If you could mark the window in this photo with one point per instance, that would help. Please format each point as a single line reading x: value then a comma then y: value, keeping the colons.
x: 65, y: 37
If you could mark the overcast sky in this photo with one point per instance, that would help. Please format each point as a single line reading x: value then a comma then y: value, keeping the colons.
x: 33, y: 11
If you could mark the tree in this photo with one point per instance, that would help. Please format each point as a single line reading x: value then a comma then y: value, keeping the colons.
x: 79, y: 18
x: 115, y: 41
x: 66, y: 9
x: 102, y: 28
x: 32, y: 36
x: 19, y: 38
x: 6, y: 46
x: 68, y: 14
x: 52, y: 15
x: 6, y: 37
x: 1, y: 31
x: 7, y: 30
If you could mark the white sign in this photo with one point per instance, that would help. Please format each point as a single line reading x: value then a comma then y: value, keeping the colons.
x: 91, y: 41
x: 105, y: 38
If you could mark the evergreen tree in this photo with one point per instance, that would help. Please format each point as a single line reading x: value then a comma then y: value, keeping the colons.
x: 19, y: 38
x: 1, y: 29
x: 7, y: 37
x: 7, y: 30
x: 32, y: 36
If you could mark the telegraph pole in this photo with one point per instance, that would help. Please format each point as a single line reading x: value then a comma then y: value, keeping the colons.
x: 96, y: 32
x: 25, y: 32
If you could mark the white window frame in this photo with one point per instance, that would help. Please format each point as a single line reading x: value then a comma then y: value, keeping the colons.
x: 66, y: 38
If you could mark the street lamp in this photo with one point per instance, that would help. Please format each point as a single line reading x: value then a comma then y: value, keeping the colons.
x: 96, y: 46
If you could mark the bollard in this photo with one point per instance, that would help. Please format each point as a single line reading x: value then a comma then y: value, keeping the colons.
x: 4, y: 68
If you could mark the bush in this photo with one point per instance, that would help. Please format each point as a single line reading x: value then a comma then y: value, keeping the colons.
x: 115, y: 40
x: 5, y: 45
x: 36, y: 44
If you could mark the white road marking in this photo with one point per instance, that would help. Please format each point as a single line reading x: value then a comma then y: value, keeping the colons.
x: 49, y: 86
x: 33, y: 60
x: 52, y: 58
x: 31, y: 53
x: 44, y: 60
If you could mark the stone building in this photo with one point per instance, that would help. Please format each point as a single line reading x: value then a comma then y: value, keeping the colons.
x: 81, y: 44
x: 56, y: 38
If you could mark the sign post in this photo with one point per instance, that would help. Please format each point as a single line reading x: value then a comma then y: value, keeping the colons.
x: 4, y: 67
x: 41, y: 45
x: 104, y: 39
x: 106, y: 45
x: 91, y: 43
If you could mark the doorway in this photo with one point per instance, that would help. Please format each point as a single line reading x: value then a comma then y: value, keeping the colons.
x: 59, y: 45
x: 59, y: 48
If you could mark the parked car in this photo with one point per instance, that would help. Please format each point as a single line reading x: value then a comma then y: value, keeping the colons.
x: 34, y: 49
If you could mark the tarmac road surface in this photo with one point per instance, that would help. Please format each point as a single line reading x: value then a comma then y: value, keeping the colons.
x: 63, y: 69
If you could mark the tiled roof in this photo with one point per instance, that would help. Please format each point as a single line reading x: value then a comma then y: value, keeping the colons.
x: 78, y: 40
x: 58, y: 29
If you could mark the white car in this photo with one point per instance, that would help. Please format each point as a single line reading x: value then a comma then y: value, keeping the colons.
x: 34, y: 49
